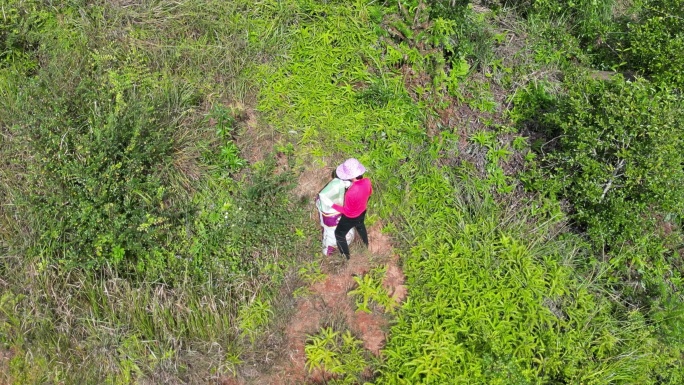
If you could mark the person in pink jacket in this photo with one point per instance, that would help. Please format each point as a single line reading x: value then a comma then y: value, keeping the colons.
x: 355, y: 202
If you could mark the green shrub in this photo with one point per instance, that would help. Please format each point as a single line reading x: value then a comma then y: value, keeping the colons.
x: 106, y: 140
x: 655, y: 42
x: 99, y: 174
x: 493, y: 299
x: 20, y: 28
x: 619, y: 154
x: 369, y: 288
x: 530, y: 104
x: 643, y: 36
x: 615, y: 153
x: 338, y: 354
x: 449, y: 9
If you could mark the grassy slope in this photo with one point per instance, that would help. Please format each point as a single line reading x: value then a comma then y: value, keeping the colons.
x: 495, y: 293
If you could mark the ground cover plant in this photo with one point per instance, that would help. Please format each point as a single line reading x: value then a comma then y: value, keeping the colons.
x: 446, y: 352
x: 139, y: 244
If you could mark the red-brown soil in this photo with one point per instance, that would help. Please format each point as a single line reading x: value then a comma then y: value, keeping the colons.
x: 328, y: 303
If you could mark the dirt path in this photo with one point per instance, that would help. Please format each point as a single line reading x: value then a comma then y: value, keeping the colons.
x: 328, y: 303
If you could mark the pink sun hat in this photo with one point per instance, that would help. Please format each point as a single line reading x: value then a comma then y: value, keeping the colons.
x: 350, y: 169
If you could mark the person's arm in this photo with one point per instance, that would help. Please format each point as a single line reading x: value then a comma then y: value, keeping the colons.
x: 347, y: 201
x: 340, y: 209
x: 354, y: 199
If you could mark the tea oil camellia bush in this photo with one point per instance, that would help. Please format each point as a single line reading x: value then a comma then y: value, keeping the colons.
x: 99, y: 174
x: 641, y: 36
x: 655, y: 42
x: 22, y: 22
x: 618, y: 160
x: 619, y: 153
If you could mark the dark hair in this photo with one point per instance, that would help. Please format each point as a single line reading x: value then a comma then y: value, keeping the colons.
x: 334, y: 174
x: 360, y: 176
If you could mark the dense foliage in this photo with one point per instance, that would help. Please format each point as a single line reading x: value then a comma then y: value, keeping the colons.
x: 97, y: 172
x: 618, y: 155
x: 490, y: 309
x: 652, y: 45
x: 104, y: 138
x: 535, y: 203
x: 640, y: 36
x: 485, y: 307
x: 22, y: 23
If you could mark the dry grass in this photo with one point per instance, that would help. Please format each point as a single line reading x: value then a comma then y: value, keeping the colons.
x: 159, y: 327
x: 5, y: 357
x: 255, y: 139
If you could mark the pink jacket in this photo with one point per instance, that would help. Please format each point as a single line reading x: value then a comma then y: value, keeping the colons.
x: 356, y: 198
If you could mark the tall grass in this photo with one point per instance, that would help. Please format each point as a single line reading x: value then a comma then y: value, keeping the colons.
x: 102, y: 65
x: 99, y: 328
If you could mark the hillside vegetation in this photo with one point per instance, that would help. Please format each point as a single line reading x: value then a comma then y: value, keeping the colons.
x: 526, y: 155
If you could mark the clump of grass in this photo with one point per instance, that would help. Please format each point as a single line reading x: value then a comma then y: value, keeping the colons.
x: 369, y: 288
x: 337, y: 354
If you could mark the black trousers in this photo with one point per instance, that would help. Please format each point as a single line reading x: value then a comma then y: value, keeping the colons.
x: 343, y: 228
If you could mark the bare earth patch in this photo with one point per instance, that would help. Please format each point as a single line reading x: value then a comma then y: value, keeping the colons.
x: 394, y: 282
x: 379, y: 243
x: 312, y: 181
x: 254, y: 140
